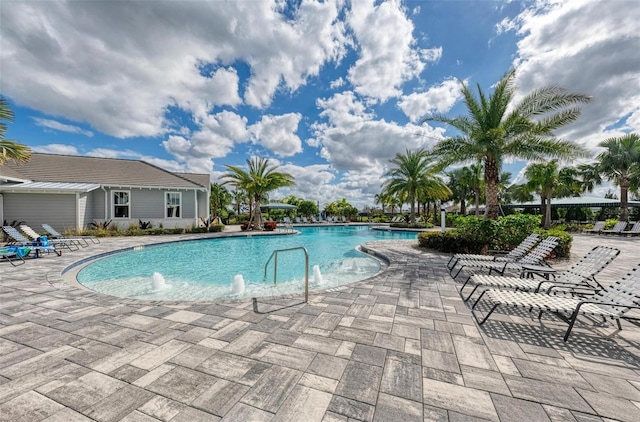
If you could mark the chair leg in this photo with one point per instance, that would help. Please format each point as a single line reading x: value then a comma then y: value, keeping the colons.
x: 486, y: 316
x: 572, y: 321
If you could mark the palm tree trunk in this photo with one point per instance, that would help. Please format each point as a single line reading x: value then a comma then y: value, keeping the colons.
x: 547, y: 214
x: 463, y: 207
x: 624, y: 199
x: 491, y: 178
x: 477, y: 202
x: 412, y: 217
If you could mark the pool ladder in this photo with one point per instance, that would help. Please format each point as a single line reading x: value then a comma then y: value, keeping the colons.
x: 274, y: 256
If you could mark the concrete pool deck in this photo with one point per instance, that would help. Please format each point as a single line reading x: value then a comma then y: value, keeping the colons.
x: 401, y: 346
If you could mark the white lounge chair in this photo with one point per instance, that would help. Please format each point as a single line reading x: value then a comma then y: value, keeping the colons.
x: 512, y: 255
x: 70, y: 244
x: 634, y: 231
x: 534, y: 257
x: 56, y: 235
x: 612, y: 302
x: 581, y: 275
x: 18, y: 239
x: 597, y: 227
x: 617, y: 229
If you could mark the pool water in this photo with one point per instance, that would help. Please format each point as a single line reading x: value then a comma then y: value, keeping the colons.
x: 203, y: 270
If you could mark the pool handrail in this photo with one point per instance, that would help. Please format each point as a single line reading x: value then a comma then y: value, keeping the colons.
x: 275, y: 268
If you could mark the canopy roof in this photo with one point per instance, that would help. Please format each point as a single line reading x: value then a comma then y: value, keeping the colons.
x: 577, y: 202
x: 278, y: 206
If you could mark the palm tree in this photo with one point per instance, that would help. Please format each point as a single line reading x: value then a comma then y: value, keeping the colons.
x: 459, y: 187
x: 620, y: 162
x: 475, y: 181
x: 257, y: 182
x: 10, y: 150
x: 410, y: 172
x: 495, y: 130
x: 219, y: 199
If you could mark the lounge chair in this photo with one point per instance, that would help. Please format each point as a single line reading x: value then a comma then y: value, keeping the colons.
x: 581, y: 275
x: 314, y: 220
x: 344, y: 219
x: 617, y: 229
x: 56, y: 235
x: 304, y: 220
x: 18, y: 239
x: 535, y: 257
x: 72, y: 245
x: 597, y: 227
x: 611, y: 302
x: 512, y: 255
x: 634, y: 231
x: 12, y: 253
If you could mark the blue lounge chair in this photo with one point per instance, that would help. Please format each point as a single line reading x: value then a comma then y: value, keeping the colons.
x: 17, y: 239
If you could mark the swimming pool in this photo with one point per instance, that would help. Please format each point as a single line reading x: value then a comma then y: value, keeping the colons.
x: 203, y: 270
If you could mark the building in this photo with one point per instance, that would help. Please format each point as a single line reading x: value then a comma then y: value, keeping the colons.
x: 71, y: 192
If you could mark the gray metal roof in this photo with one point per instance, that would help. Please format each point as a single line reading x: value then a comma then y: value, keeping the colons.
x: 50, y: 187
x: 577, y: 202
x: 103, y: 171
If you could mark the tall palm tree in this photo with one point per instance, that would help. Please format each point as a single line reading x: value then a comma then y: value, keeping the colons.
x: 495, y: 129
x: 620, y: 162
x: 410, y: 172
x: 257, y: 182
x: 10, y: 150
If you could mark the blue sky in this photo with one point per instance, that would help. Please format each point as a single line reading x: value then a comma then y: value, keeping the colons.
x: 330, y: 91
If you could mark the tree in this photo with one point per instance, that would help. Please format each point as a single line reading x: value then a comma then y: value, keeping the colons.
x: 459, y: 187
x: 10, y: 150
x: 257, y: 182
x: 620, y: 162
x: 219, y: 199
x: 410, y: 173
x: 495, y: 129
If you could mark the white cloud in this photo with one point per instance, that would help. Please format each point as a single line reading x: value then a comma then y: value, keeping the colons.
x: 587, y: 47
x: 56, y: 149
x: 55, y: 125
x: 278, y: 133
x: 387, y: 52
x: 352, y: 140
x: 437, y: 99
x: 119, y: 66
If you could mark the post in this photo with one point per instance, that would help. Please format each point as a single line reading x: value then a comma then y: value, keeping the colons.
x: 442, y: 218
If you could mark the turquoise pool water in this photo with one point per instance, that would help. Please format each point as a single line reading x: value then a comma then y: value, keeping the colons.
x: 202, y: 270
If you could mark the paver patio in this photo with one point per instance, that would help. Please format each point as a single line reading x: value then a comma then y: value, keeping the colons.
x: 401, y: 346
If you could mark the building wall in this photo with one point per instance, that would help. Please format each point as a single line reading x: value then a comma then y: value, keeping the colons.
x: 149, y: 205
x: 58, y: 210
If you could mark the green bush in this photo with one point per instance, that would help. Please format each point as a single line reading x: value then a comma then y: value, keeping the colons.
x: 412, y: 226
x: 477, y: 235
x: 564, y: 241
x: 216, y: 228
x: 609, y: 223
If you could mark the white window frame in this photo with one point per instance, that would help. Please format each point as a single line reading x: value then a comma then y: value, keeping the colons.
x: 113, y: 204
x: 166, y: 207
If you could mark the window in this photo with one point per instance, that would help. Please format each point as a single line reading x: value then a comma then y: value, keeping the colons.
x: 174, y: 201
x: 120, y: 204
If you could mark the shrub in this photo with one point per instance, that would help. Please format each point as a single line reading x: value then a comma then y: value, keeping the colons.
x: 216, y: 228
x: 476, y: 235
x: 609, y: 223
x: 270, y: 225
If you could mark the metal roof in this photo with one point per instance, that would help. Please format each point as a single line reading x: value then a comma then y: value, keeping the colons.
x: 576, y: 202
x: 104, y: 171
x: 50, y: 187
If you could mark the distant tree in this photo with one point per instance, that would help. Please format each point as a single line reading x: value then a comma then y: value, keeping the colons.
x: 10, y: 150
x: 220, y: 198
x: 620, y: 162
x: 495, y: 129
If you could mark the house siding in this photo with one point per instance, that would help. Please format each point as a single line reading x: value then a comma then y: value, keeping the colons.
x: 85, y: 207
x: 60, y: 211
x: 96, y: 205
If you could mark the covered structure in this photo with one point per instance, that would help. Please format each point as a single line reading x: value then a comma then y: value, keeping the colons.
x: 576, y: 202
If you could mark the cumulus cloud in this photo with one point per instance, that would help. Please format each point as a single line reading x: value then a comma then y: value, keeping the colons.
x: 587, y: 47
x: 278, y: 134
x: 55, y: 125
x: 351, y: 139
x: 387, y: 51
x: 56, y: 149
x: 437, y: 99
x: 119, y: 67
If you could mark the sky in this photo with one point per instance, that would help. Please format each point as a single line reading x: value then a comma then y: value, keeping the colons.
x: 329, y: 91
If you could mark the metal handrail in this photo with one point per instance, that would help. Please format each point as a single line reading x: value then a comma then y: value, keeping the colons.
x: 275, y: 268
